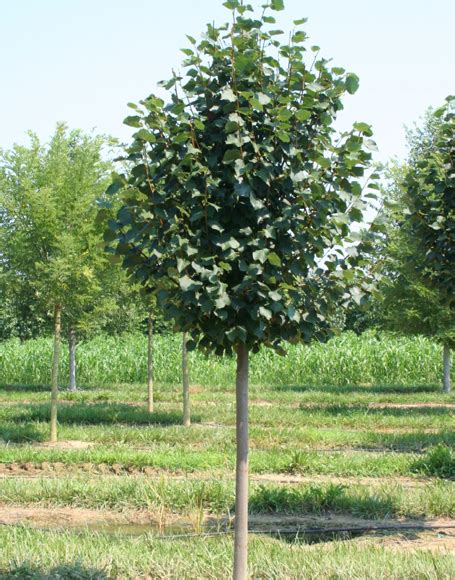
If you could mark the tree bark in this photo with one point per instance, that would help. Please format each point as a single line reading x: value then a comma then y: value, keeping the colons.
x: 150, y: 363
x: 55, y: 364
x: 186, y: 383
x: 447, y: 364
x: 241, y: 474
x: 72, y: 359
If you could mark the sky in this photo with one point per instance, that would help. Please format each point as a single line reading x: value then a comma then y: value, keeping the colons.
x: 82, y: 61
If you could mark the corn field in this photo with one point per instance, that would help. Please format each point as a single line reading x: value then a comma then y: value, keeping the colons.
x: 372, y: 358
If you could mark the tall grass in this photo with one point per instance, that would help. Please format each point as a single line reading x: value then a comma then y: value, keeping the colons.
x: 345, y: 360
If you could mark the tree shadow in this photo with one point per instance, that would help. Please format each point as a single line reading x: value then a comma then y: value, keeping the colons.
x: 311, y: 537
x: 377, y: 411
x: 13, y: 388
x: 102, y: 414
x: 21, y: 434
x: 350, y: 389
x: 40, y: 388
x: 406, y: 442
x: 67, y: 571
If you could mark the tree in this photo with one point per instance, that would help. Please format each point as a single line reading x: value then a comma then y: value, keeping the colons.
x: 49, y: 241
x: 239, y: 199
x: 419, y: 293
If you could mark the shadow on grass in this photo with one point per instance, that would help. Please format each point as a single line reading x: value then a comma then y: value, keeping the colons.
x: 407, y: 442
x: 374, y: 389
x: 379, y: 411
x: 69, y: 571
x: 323, y: 537
x: 25, y: 388
x: 10, y: 433
x: 20, y: 388
x: 101, y: 414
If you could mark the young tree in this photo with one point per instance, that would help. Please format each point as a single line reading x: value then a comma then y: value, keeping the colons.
x: 49, y: 240
x: 240, y: 200
x: 419, y: 293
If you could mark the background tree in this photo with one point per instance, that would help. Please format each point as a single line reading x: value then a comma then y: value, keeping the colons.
x: 49, y: 239
x: 419, y: 250
x: 239, y: 201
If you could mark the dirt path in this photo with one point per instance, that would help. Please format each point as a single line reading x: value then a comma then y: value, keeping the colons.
x: 433, y: 534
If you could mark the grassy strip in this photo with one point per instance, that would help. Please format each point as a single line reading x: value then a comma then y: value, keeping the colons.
x: 223, y: 437
x: 327, y: 416
x: 71, y: 555
x: 285, y: 395
x: 120, y: 493
x: 173, y: 459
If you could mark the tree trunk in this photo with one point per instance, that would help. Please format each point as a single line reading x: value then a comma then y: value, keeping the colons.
x: 186, y: 383
x: 447, y: 364
x: 150, y: 363
x: 55, y: 363
x: 241, y: 473
x: 72, y: 359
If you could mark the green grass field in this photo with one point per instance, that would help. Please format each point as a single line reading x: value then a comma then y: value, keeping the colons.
x: 345, y: 438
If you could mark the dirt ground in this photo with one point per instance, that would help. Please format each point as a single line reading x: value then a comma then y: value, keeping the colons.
x: 437, y: 535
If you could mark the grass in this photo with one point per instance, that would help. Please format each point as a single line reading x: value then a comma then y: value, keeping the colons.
x: 31, y: 553
x: 366, y: 407
x: 171, y: 458
x: 389, y: 500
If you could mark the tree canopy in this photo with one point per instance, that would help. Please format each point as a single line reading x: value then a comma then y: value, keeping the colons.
x: 240, y: 195
x: 419, y: 251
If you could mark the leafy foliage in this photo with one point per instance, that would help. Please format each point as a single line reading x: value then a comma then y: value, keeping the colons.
x: 430, y: 196
x: 50, y: 242
x: 240, y: 195
x: 419, y: 249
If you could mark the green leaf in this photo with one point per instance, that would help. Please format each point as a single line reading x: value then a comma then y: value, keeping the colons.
x: 300, y: 21
x: 186, y: 284
x: 231, y: 155
x: 228, y: 95
x: 303, y: 114
x: 371, y: 145
x: 265, y: 313
x: 222, y: 301
x: 231, y: 4
x: 132, y: 121
x: 299, y: 36
x: 363, y: 128
x: 255, y: 202
x: 352, y: 83
x: 145, y: 135
x: 283, y: 136
x: 261, y: 255
x: 277, y: 5
x: 274, y: 259
x: 243, y: 189
x: 263, y: 98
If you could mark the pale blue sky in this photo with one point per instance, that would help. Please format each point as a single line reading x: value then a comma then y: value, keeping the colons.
x: 81, y: 61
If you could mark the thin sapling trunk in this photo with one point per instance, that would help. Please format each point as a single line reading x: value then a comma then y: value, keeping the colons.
x: 447, y: 364
x: 55, y: 364
x: 72, y: 359
x: 150, y: 363
x: 241, y: 473
x: 186, y: 383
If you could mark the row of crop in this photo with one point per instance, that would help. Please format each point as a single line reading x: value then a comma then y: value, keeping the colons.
x: 345, y: 360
